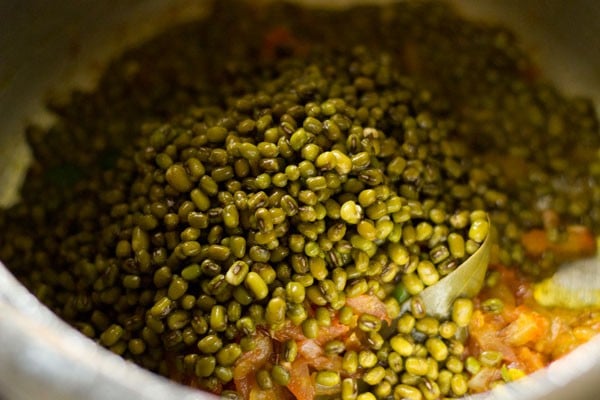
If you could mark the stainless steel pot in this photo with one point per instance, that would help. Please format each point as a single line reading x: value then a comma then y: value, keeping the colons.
x: 59, y: 45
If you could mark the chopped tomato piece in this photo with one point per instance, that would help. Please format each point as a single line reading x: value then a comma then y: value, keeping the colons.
x: 579, y: 242
x: 245, y: 384
x: 254, y: 358
x: 484, y: 335
x: 481, y: 381
x: 275, y: 393
x: 309, y: 349
x: 288, y: 331
x: 300, y: 383
x: 327, y: 362
x: 352, y: 342
x: 369, y: 304
x: 528, y: 335
x: 249, y: 362
x: 535, y: 242
x: 325, y: 333
x: 530, y: 360
x: 312, y: 351
x: 259, y: 394
x: 335, y: 330
x: 527, y: 328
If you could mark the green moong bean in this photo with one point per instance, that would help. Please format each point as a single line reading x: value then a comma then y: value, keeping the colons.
x: 408, y: 392
x: 177, y: 177
x: 493, y: 305
x: 490, y: 358
x: 395, y: 362
x: 349, y: 390
x: 242, y: 295
x: 228, y: 354
x: 456, y: 244
x: 459, y: 384
x: 448, y: 329
x: 444, y: 380
x: 402, y: 346
x: 290, y: 350
x: 178, y: 319
x: 296, y: 314
x: 437, y: 349
x: 366, y: 396
x: 136, y: 346
x: 200, y: 199
x: 280, y: 375
x: 210, y: 344
x: 162, y: 307
x: 256, y: 285
x: 334, y: 347
x: 310, y: 328
x: 351, y: 212
x: 323, y: 316
x: 454, y: 364
x: 246, y: 325
x: 472, y: 365
x: 416, y: 366
x: 234, y: 311
x: 369, y: 323
x: 479, y: 230
x: 428, y: 325
x: 216, y: 134
x: 462, y: 310
x: 350, y: 362
x: 275, y: 311
x: 177, y: 287
x: 346, y: 315
x: 231, y: 218
x: 295, y: 292
x: 131, y: 281
x: 224, y: 374
x: 205, y: 366
x: 328, y: 378
x: 318, y: 268
x: 367, y: 359
x: 237, y: 273
x: 218, y: 318
x: 374, y: 376
x: 112, y: 335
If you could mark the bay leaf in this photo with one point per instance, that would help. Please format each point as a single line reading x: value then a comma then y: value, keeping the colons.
x: 465, y: 281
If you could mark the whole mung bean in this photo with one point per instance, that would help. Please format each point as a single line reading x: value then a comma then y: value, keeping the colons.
x: 327, y: 378
x: 462, y: 309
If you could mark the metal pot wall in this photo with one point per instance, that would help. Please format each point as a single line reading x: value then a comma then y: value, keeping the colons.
x: 59, y: 45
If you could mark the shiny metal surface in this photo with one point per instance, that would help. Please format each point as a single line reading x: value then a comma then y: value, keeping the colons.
x: 52, y: 46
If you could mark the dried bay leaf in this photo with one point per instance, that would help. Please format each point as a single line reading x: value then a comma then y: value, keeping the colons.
x: 465, y: 281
